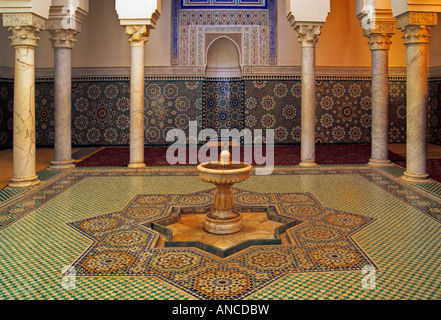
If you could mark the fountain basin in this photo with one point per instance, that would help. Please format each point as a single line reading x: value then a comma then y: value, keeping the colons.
x: 215, y: 172
x: 223, y: 220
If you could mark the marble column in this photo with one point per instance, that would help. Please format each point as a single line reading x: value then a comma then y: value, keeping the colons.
x: 24, y: 40
x: 307, y: 36
x: 138, y: 36
x: 63, y: 42
x: 416, y: 27
x: 379, y: 44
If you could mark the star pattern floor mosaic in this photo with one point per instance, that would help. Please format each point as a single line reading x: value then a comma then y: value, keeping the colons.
x: 94, y: 221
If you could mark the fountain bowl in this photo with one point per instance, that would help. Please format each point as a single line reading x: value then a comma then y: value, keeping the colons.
x: 223, y: 220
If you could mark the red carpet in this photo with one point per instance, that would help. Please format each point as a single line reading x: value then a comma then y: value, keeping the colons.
x: 284, y: 155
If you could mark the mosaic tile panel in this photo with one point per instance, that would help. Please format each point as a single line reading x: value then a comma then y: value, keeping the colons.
x: 343, y: 111
x: 45, y: 114
x: 6, y: 109
x: 171, y: 105
x: 101, y: 110
x: 401, y: 241
x: 435, y: 112
x: 223, y: 105
x: 274, y: 105
x: 397, y: 111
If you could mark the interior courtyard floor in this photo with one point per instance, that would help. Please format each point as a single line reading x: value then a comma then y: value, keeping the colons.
x: 94, y: 219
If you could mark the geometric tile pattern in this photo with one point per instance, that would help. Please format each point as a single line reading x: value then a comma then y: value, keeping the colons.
x: 124, y: 247
x: 100, y: 110
x: 343, y: 113
x: 403, y: 240
x: 397, y: 241
x: 223, y: 105
x: 434, y: 125
x: 6, y: 111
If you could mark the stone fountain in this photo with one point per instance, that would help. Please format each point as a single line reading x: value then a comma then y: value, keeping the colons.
x: 223, y: 173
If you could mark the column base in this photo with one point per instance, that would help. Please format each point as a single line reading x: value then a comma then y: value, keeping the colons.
x: 308, y: 164
x: 62, y: 165
x: 378, y: 163
x: 411, y: 177
x: 24, y: 182
x: 136, y: 165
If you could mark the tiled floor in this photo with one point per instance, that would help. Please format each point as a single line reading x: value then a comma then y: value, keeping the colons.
x: 89, y: 219
x: 44, y: 156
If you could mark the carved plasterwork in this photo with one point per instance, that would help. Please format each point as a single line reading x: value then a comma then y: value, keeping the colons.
x: 417, y: 18
x: 23, y: 20
x: 256, y: 27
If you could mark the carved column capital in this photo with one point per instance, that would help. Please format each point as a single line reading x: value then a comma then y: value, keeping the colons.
x: 24, y: 36
x: 24, y: 28
x: 307, y: 34
x: 138, y: 34
x: 379, y: 34
x: 416, y: 26
x: 379, y: 41
x: 63, y: 38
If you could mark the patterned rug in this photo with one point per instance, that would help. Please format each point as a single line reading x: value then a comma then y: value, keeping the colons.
x: 284, y: 155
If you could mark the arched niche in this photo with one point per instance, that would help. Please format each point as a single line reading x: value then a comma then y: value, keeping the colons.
x: 223, y: 59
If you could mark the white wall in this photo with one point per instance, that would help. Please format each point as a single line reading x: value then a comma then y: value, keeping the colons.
x: 103, y: 43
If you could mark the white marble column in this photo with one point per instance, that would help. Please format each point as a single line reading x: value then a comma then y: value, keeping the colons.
x: 416, y: 27
x: 307, y: 35
x: 379, y: 44
x: 24, y: 40
x: 138, y: 36
x: 63, y: 42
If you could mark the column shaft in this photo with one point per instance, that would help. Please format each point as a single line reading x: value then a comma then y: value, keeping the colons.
x: 416, y: 148
x: 308, y: 107
x: 63, y: 107
x: 24, y: 174
x: 137, y: 107
x: 380, y: 103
